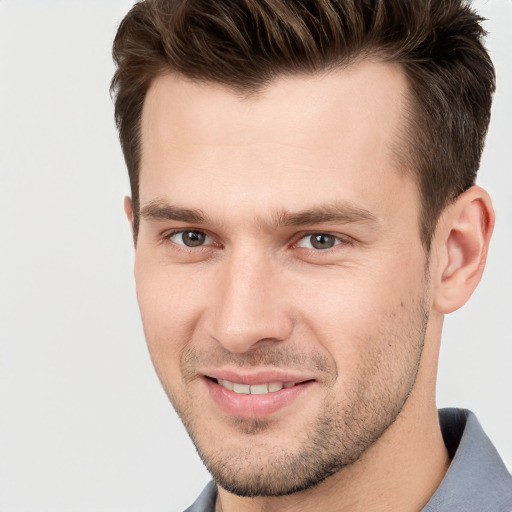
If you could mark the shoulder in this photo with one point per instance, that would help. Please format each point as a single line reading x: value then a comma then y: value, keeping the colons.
x: 477, y: 478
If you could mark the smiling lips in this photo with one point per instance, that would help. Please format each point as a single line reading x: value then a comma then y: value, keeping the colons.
x: 259, y: 399
x: 254, y: 389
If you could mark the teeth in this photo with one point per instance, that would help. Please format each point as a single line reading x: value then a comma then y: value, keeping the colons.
x: 241, y: 388
x: 226, y: 384
x: 255, y: 389
x: 275, y: 386
x: 259, y: 389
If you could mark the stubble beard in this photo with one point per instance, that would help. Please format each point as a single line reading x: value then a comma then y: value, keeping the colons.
x: 341, y: 434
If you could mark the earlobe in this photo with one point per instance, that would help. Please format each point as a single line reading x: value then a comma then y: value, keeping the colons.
x: 462, y: 241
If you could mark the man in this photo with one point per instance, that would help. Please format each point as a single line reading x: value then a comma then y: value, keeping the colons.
x: 304, y: 214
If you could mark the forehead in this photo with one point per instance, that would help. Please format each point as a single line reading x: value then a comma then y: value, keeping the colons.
x: 365, y: 91
x: 300, y: 140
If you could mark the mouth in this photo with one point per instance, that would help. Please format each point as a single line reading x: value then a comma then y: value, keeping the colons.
x: 256, y: 397
x: 255, y: 389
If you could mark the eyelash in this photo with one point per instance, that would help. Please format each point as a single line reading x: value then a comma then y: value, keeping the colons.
x: 168, y: 238
x: 338, y: 240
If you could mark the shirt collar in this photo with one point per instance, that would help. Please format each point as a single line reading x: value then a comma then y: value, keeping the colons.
x: 477, y: 479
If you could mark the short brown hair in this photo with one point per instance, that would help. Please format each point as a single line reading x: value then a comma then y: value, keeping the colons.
x: 244, y: 44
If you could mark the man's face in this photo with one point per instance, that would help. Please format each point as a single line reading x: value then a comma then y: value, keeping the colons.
x: 280, y: 272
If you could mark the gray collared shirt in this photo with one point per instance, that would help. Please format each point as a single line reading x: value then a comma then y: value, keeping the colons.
x: 476, y: 481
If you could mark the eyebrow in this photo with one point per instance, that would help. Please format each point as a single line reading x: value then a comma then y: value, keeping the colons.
x: 340, y: 213
x: 161, y: 210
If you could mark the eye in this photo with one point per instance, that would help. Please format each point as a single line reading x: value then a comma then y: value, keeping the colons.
x: 190, y: 238
x: 319, y: 241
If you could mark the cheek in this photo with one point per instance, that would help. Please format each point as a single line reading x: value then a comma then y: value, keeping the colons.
x: 170, y: 305
x: 361, y: 312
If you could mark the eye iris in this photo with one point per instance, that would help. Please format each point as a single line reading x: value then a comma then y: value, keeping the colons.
x: 322, y: 241
x: 193, y: 238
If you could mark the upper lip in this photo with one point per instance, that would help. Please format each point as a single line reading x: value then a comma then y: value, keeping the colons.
x: 255, y: 377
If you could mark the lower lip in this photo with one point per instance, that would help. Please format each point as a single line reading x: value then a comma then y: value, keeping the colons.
x: 254, y: 406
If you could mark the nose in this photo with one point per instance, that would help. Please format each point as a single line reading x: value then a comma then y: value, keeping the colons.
x: 250, y: 304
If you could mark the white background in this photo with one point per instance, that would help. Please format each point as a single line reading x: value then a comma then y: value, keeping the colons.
x: 84, y: 425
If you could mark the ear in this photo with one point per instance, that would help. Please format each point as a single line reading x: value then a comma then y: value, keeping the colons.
x: 461, y: 244
x: 128, y: 210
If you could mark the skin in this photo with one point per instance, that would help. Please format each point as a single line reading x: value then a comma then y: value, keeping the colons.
x: 361, y: 320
